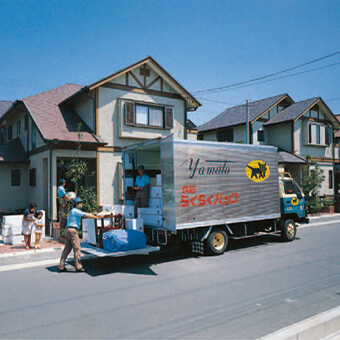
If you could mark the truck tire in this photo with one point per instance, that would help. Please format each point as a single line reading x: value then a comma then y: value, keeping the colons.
x: 288, y: 231
x: 216, y: 242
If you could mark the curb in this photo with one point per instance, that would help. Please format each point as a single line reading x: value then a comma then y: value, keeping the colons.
x: 316, y: 327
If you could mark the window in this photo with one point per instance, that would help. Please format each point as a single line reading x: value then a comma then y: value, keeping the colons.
x: 10, y: 133
x: 33, y: 177
x: 330, y: 179
x: 34, y: 136
x: 225, y: 135
x: 15, y: 178
x: 328, y: 135
x: 318, y: 134
x: 26, y: 122
x: 148, y: 115
x: 291, y: 188
x: 260, y: 136
x: 18, y: 127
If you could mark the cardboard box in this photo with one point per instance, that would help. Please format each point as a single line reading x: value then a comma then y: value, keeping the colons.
x: 17, y: 239
x: 6, y: 230
x: 12, y: 219
x: 16, y: 229
x: 152, y: 220
x: 159, y: 180
x: 155, y: 203
x: 135, y: 224
x: 155, y: 192
x: 6, y: 239
x: 149, y: 211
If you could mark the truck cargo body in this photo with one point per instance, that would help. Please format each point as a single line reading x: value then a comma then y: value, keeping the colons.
x: 209, y: 183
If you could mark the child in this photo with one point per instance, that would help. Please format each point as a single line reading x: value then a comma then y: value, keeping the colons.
x: 27, y: 222
x: 38, y: 223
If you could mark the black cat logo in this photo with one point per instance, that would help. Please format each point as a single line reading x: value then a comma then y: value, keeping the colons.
x: 257, y: 171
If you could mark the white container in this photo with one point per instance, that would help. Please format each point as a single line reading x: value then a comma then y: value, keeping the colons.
x: 7, y: 239
x: 85, y: 237
x: 152, y: 220
x: 91, y: 232
x: 155, y: 203
x: 159, y: 180
x: 16, y: 229
x: 118, y: 209
x: 17, y: 239
x: 87, y: 222
x: 155, y: 192
x: 135, y: 224
x: 6, y: 230
x: 128, y: 211
x: 12, y: 219
x: 149, y: 211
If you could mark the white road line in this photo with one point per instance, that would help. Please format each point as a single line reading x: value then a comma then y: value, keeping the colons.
x: 28, y: 252
x: 37, y: 263
x: 318, y: 224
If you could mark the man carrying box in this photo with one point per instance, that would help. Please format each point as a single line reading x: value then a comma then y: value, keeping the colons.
x: 142, y: 185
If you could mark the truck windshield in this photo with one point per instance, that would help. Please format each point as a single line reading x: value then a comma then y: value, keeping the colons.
x: 291, y: 188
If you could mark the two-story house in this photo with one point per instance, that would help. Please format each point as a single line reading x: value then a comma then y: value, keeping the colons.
x: 139, y: 102
x: 297, y: 129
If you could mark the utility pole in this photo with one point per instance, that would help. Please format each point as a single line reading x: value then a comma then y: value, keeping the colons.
x: 247, y: 121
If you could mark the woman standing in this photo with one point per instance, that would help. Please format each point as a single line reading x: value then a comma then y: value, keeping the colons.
x: 27, y: 223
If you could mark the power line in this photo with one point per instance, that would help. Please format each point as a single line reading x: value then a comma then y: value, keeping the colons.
x: 212, y: 90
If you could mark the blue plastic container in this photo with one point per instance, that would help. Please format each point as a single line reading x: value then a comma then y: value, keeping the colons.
x: 123, y: 240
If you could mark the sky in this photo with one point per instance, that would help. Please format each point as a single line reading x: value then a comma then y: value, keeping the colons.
x: 202, y: 44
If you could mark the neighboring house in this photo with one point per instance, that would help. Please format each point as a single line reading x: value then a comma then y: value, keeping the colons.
x: 297, y: 129
x: 139, y: 102
x: 191, y: 130
x: 337, y: 166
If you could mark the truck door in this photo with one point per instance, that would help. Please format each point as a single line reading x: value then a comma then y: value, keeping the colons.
x: 292, y: 199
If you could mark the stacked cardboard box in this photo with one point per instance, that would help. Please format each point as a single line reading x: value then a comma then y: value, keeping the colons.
x: 12, y: 229
x: 134, y: 224
x: 153, y: 215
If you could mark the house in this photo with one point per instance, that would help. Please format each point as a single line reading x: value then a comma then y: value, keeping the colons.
x: 191, y: 130
x: 298, y: 129
x: 140, y: 102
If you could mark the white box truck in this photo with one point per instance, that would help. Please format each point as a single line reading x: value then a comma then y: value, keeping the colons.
x: 210, y: 192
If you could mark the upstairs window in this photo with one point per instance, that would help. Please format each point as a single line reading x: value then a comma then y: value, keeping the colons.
x: 225, y: 135
x: 18, y: 127
x: 329, y: 135
x: 148, y: 115
x: 26, y: 122
x: 33, y: 177
x: 15, y: 178
x: 34, y: 136
x: 10, y: 133
x: 260, y: 136
x: 319, y: 134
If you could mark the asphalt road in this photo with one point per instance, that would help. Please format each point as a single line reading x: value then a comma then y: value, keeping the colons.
x: 260, y: 285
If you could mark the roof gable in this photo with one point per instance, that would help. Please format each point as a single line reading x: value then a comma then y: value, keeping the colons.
x: 297, y: 110
x: 149, y: 75
x: 237, y: 115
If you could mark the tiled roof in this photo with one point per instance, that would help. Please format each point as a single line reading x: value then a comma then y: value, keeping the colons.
x: 4, y: 106
x: 13, y: 152
x: 293, y: 111
x: 55, y: 122
x: 237, y: 114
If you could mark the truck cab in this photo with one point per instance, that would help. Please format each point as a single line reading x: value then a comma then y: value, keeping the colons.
x: 292, y: 200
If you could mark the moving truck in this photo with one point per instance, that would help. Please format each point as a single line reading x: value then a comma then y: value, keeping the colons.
x: 204, y: 193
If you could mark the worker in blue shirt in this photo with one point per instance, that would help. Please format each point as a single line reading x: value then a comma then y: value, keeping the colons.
x: 72, y: 237
x: 62, y: 203
x: 142, y: 185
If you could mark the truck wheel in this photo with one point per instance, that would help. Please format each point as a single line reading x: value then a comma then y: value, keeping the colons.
x: 217, y: 242
x: 288, y: 230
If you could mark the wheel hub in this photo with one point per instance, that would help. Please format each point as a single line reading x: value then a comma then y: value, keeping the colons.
x: 291, y: 230
x: 218, y: 241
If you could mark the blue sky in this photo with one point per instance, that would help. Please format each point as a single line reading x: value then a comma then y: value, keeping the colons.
x: 202, y: 44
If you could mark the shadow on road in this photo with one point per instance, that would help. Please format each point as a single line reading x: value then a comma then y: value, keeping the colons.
x: 141, y: 264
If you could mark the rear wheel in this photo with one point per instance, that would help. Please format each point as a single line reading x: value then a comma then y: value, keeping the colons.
x: 216, y: 242
x: 288, y: 231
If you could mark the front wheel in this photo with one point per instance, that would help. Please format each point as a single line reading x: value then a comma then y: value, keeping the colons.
x: 288, y: 231
x: 216, y: 242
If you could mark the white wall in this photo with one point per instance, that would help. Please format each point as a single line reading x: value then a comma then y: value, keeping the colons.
x: 111, y: 118
x: 15, y: 197
x: 279, y: 135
